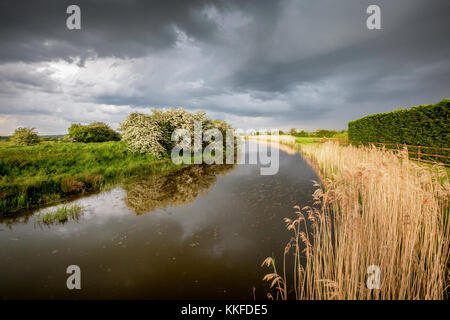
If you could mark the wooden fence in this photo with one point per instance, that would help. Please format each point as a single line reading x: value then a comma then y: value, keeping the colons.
x: 433, y: 155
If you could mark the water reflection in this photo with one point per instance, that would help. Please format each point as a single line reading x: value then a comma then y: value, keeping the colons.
x: 172, y: 188
x: 205, y: 234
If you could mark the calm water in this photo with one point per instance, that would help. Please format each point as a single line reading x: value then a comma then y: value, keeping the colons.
x: 201, y: 232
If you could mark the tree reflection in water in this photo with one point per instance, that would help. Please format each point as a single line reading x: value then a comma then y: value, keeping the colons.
x: 172, y: 188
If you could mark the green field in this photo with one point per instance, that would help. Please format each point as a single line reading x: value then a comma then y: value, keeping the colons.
x: 305, y: 140
x: 49, y: 172
x: 311, y: 140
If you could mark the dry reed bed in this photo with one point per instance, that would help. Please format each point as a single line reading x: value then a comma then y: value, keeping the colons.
x: 376, y: 208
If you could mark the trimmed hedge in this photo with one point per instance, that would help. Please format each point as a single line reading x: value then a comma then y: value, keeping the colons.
x: 425, y: 125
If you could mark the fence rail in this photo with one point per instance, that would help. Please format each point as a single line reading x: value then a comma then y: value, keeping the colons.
x: 434, y: 157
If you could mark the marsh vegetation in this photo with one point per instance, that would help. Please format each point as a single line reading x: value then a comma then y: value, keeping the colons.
x: 373, y: 207
x: 62, y: 214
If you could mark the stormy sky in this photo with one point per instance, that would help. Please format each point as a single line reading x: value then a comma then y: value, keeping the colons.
x: 257, y: 64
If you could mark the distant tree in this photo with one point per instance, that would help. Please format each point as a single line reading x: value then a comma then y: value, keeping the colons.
x: 342, y: 135
x: 94, y: 132
x: 25, y: 136
x: 322, y: 133
x: 302, y: 133
x: 293, y: 131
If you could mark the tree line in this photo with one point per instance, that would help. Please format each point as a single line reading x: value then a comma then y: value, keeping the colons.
x: 143, y: 133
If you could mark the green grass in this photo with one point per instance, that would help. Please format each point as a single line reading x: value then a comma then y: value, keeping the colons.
x: 32, y: 176
x: 306, y: 140
x: 61, y: 215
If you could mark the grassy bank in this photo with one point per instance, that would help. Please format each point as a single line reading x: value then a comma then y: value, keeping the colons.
x: 47, y: 173
x: 376, y: 208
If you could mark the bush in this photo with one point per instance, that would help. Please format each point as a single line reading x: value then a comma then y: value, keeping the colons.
x: 25, y: 137
x: 94, y: 132
x: 142, y: 134
x: 151, y: 133
x: 302, y: 133
x: 343, y: 135
x: 223, y: 126
x: 425, y: 125
x: 322, y: 133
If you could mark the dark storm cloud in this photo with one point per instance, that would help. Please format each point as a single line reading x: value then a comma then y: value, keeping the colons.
x: 420, y: 37
x: 36, y: 30
x: 294, y: 62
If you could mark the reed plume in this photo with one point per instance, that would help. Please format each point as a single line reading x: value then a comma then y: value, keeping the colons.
x: 373, y: 207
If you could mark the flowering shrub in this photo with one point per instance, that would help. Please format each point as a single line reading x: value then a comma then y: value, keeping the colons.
x: 25, y: 137
x: 223, y: 126
x: 143, y: 134
x: 151, y: 133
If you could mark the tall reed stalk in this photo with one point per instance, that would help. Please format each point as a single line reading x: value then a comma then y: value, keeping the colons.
x: 375, y: 208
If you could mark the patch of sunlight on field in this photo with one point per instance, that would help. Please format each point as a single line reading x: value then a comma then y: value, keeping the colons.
x: 305, y: 140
